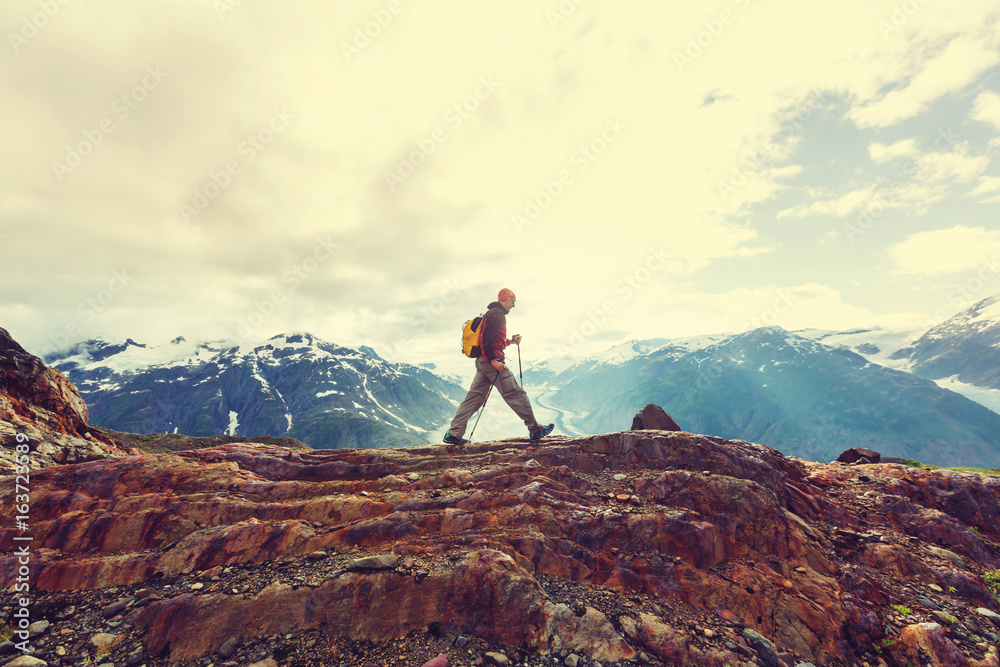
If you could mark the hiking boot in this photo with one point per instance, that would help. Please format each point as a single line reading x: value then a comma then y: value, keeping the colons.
x: 452, y: 440
x: 538, y: 435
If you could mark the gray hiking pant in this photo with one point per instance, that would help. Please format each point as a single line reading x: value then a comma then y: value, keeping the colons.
x: 508, y: 387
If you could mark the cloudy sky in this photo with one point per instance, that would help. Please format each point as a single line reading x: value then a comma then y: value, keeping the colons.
x: 373, y: 172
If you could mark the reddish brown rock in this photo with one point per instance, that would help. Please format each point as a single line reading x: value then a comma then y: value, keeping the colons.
x: 515, y: 542
x: 927, y: 644
x: 44, y: 407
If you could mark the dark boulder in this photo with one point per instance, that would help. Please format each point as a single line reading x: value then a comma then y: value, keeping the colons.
x: 654, y: 417
x: 860, y: 455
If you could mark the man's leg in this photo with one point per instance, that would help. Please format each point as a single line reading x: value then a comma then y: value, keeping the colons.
x: 474, y: 400
x: 517, y: 399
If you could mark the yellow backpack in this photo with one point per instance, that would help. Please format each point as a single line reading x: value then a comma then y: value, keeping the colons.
x: 470, y: 337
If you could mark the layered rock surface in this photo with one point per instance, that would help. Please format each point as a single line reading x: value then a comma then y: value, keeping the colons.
x: 652, y: 546
x: 46, y: 409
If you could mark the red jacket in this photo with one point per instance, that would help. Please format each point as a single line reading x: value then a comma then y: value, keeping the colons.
x: 493, y: 332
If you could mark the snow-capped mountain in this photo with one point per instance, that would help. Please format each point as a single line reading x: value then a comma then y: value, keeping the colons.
x: 964, y: 348
x: 875, y: 344
x: 788, y: 391
x: 293, y: 385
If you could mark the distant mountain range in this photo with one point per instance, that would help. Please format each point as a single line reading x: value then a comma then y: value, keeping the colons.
x: 811, y: 394
x: 293, y: 385
x: 964, y: 347
x: 808, y: 393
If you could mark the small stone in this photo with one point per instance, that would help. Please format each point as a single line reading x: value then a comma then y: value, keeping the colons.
x: 947, y: 555
x: 413, y: 477
x: 383, y: 562
x: 437, y: 661
x: 116, y: 608
x: 63, y: 614
x: 763, y: 646
x: 622, y: 497
x: 135, y: 657
x: 936, y: 588
x: 942, y: 618
x: 102, y: 639
x: 620, y: 477
x: 317, y: 555
x: 197, y: 587
x: 26, y: 661
x: 266, y: 662
x: 572, y: 660
x: 927, y: 602
x: 729, y: 617
x: 635, y: 500
x: 992, y: 615
x: 497, y: 660
x: 60, y: 651
x: 228, y: 647
x: 38, y: 628
x: 709, y: 632
x: 801, y: 570
x: 460, y: 642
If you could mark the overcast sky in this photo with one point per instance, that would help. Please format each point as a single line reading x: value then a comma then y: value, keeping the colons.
x: 374, y: 172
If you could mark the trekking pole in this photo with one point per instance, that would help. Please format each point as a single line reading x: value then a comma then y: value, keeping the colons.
x: 483, y: 407
x: 520, y: 372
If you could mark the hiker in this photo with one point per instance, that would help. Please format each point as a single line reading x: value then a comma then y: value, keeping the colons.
x: 491, y: 371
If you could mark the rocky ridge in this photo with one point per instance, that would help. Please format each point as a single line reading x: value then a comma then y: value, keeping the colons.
x: 638, y: 547
x: 44, y: 407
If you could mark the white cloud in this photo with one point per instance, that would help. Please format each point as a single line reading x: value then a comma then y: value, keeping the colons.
x: 924, y: 179
x: 987, y: 108
x: 737, y: 115
x: 960, y: 63
x: 987, y: 185
x: 883, y: 153
x: 841, y: 206
x: 945, y: 251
